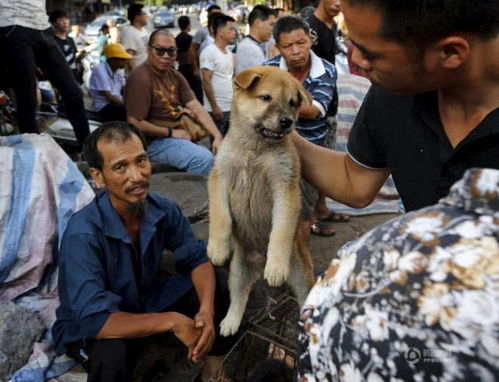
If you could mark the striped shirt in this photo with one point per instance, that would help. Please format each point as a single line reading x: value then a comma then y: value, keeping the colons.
x: 26, y: 13
x: 321, y: 84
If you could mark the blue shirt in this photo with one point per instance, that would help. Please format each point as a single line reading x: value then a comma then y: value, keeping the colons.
x: 321, y: 84
x: 100, y: 271
x: 103, y: 79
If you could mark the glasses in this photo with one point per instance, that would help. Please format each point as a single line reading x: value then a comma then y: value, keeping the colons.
x: 172, y: 52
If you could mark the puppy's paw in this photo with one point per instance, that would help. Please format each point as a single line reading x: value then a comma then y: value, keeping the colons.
x: 218, y: 251
x: 230, y: 324
x: 275, y: 273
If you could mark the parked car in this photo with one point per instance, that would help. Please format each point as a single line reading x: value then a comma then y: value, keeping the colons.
x: 92, y: 30
x: 164, y: 19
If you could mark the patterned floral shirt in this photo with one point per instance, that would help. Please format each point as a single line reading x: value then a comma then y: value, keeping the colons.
x: 415, y: 299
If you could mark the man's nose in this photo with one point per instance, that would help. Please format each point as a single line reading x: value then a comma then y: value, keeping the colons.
x: 135, y: 173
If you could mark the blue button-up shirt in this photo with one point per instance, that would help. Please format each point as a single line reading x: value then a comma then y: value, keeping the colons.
x: 101, y: 272
x: 103, y: 79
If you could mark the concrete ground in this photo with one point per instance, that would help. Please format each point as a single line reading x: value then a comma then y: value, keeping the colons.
x: 190, y: 192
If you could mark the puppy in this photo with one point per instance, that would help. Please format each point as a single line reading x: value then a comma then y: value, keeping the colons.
x: 254, y: 191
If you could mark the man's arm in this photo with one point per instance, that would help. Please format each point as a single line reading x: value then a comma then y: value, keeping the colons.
x: 193, y: 57
x: 157, y: 131
x: 203, y: 278
x: 132, y: 63
x: 337, y: 175
x: 210, y: 94
x: 111, y: 97
x: 205, y: 120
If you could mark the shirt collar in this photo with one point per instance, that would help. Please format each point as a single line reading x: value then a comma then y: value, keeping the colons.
x: 316, y: 65
x: 476, y: 192
x: 114, y: 227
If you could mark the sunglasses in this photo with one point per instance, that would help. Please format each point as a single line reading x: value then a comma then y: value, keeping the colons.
x: 172, y: 52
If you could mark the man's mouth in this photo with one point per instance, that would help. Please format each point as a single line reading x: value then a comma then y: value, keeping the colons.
x: 137, y: 190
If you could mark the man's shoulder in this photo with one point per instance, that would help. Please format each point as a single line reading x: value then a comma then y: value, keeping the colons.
x: 85, y: 220
x: 275, y: 61
x: 140, y: 73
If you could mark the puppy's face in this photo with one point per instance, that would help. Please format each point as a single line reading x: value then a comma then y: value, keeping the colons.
x: 267, y: 100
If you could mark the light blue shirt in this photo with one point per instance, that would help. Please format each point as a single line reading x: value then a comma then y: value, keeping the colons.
x: 103, y: 79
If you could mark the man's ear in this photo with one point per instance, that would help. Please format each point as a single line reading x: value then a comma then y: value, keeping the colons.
x: 247, y: 78
x: 453, y: 51
x: 96, y: 175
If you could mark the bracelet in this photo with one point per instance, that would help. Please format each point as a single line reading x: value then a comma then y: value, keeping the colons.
x: 170, y: 132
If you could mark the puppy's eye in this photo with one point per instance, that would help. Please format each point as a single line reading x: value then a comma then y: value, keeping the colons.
x: 265, y: 97
x: 292, y: 103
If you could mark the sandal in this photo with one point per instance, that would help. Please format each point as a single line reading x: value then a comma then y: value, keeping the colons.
x: 337, y: 218
x: 322, y: 229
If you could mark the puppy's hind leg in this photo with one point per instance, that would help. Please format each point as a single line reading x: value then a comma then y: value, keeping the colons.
x: 242, y: 276
x: 301, y: 275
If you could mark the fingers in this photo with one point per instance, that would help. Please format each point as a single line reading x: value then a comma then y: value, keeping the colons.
x: 204, y: 344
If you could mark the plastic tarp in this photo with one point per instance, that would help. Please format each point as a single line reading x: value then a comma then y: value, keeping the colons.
x: 40, y: 188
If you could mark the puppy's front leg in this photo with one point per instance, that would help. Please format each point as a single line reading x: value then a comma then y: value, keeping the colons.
x: 285, y: 215
x: 220, y: 219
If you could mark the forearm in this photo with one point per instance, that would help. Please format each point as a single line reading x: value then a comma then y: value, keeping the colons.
x: 137, y: 325
x: 148, y: 128
x: 309, y: 112
x: 208, y: 89
x: 114, y: 99
x: 204, y: 118
x: 337, y: 175
x: 203, y: 278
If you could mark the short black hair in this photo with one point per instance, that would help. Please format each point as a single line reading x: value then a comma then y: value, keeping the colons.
x: 218, y: 21
x: 103, y: 27
x: 56, y: 15
x: 115, y: 131
x: 183, y: 22
x: 162, y: 30
x: 287, y: 24
x: 212, y: 8
x: 420, y: 22
x: 134, y: 10
x: 260, y: 12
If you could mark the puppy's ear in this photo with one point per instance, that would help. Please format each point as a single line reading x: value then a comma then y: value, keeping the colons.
x: 304, y: 96
x: 247, y: 78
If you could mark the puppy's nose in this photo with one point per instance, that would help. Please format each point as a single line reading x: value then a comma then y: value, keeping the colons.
x: 285, y: 122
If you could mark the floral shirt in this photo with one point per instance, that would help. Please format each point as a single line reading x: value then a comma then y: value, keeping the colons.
x: 415, y: 299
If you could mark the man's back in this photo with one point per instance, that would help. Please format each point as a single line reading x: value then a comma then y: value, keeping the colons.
x: 249, y: 53
x: 136, y: 40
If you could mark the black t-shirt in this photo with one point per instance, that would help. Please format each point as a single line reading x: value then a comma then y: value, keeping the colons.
x: 325, y: 45
x: 68, y: 49
x: 405, y: 135
x: 183, y: 40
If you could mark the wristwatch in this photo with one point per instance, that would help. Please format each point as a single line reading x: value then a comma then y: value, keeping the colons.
x: 170, y: 132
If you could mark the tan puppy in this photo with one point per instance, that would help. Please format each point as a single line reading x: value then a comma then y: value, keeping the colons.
x: 254, y: 191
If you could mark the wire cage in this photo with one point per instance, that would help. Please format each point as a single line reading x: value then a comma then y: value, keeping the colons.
x: 271, y: 333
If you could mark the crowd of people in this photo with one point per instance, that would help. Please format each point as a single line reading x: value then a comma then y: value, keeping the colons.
x: 426, y: 280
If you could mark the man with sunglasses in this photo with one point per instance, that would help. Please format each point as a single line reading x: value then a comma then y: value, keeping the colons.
x: 157, y: 95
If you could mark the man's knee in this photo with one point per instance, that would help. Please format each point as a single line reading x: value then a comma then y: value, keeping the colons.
x: 201, y: 162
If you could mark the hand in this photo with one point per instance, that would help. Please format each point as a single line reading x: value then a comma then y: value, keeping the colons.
x: 181, y: 133
x: 203, y: 321
x: 187, y: 332
x: 218, y: 114
x: 216, y: 143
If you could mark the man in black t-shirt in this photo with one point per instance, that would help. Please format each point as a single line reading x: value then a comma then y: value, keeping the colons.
x: 60, y: 22
x: 433, y: 111
x: 185, y: 66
